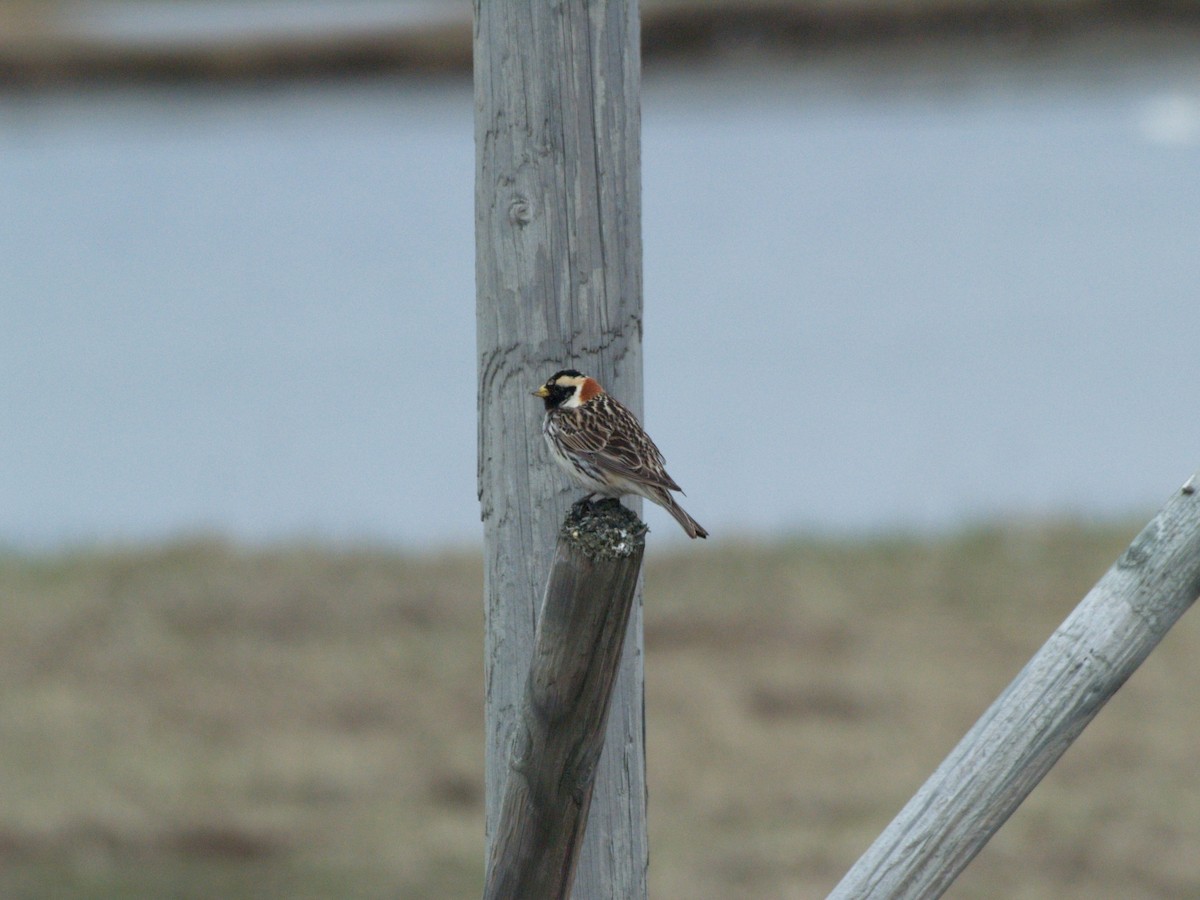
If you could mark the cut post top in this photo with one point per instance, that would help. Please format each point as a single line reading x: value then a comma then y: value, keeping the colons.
x: 604, y: 529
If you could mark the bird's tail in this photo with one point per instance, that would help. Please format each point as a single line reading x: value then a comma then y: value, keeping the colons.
x: 693, y: 528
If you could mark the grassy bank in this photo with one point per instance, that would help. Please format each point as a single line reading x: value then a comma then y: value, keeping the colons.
x: 44, y: 44
x: 200, y: 721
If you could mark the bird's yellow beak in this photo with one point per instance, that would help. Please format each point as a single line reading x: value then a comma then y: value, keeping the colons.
x: 541, y: 392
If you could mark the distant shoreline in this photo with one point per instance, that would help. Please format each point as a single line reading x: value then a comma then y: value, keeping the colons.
x: 670, y: 32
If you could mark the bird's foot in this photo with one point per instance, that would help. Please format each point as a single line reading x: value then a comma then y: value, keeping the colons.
x: 590, y: 500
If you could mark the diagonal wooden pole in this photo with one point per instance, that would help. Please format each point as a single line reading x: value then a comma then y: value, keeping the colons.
x: 1023, y: 734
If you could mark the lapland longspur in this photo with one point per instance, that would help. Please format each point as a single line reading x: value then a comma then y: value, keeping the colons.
x: 602, y: 446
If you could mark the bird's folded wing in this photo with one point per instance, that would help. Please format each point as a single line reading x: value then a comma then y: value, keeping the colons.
x: 612, y: 438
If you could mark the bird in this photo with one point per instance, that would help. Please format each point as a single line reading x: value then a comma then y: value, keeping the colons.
x: 602, y: 446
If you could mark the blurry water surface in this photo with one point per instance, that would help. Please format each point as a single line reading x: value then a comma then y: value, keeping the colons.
x: 880, y: 292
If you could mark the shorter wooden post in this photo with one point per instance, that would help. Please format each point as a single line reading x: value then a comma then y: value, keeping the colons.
x: 560, y: 730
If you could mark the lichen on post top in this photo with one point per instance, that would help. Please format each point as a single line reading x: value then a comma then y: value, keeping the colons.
x: 604, y: 530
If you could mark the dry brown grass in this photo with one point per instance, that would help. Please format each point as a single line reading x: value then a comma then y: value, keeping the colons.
x: 199, y: 721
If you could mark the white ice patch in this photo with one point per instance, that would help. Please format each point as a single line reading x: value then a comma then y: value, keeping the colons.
x: 1171, y: 120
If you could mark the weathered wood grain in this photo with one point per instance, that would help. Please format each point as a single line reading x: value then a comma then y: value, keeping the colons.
x: 1020, y: 737
x: 558, y: 282
x: 560, y: 731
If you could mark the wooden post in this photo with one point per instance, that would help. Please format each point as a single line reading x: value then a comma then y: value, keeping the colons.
x: 1015, y: 743
x: 560, y: 734
x: 558, y: 283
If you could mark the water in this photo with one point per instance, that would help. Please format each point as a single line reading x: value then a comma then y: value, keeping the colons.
x: 879, y: 294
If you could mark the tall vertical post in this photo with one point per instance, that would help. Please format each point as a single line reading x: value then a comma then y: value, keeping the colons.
x: 558, y: 285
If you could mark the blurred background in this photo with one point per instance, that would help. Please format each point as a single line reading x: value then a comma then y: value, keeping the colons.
x: 921, y: 310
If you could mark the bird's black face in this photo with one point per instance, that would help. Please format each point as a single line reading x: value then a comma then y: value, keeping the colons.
x: 556, y: 393
x: 561, y: 386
